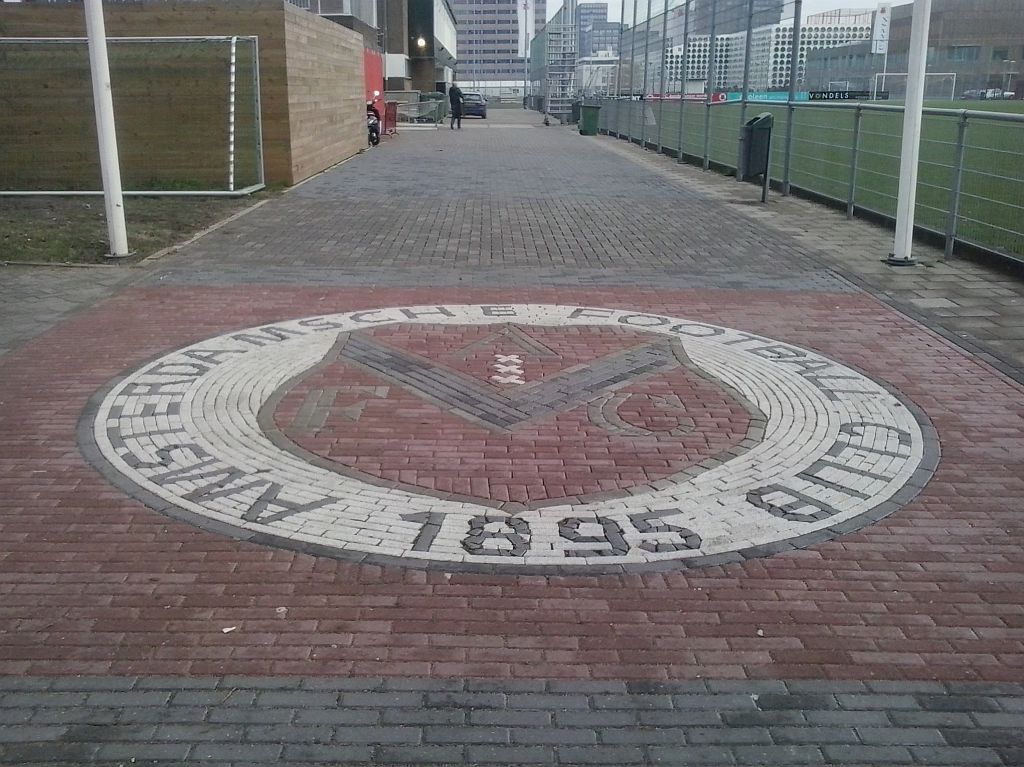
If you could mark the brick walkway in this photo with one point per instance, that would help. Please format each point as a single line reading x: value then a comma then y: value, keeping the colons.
x: 570, y: 461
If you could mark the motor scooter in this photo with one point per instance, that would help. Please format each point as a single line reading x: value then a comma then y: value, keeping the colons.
x: 373, y: 124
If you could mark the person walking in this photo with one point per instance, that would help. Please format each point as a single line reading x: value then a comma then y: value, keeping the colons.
x: 455, y: 99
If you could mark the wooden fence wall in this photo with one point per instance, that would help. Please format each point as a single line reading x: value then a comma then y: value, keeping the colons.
x: 311, y: 76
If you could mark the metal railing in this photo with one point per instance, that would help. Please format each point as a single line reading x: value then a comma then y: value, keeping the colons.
x: 427, y: 114
x: 971, y: 180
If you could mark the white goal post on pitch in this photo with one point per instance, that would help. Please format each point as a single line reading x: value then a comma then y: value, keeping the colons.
x: 933, y: 84
x: 188, y: 111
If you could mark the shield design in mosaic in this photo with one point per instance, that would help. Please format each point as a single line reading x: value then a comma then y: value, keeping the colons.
x: 511, y: 416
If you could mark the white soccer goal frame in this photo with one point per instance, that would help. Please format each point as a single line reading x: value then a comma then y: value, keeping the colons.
x: 231, y: 191
x: 875, y: 90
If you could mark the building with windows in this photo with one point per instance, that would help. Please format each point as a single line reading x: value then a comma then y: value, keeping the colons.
x: 600, y: 37
x: 771, y: 47
x: 729, y: 52
x: 981, y: 41
x: 730, y: 16
x: 493, y: 42
x: 590, y: 13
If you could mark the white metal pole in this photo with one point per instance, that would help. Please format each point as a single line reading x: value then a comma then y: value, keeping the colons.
x: 231, y: 116
x: 104, y: 105
x: 907, y: 197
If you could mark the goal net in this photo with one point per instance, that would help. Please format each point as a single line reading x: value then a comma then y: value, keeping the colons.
x: 186, y: 112
x: 938, y: 86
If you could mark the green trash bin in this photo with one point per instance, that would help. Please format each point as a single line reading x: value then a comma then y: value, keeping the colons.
x: 588, y: 119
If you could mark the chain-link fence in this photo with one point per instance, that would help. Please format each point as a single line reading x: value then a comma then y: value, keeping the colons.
x: 187, y: 112
x: 692, y: 73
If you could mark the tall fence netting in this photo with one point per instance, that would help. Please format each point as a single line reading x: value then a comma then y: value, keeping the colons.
x: 691, y: 72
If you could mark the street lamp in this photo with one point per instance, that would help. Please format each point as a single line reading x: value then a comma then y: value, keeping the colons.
x: 421, y: 43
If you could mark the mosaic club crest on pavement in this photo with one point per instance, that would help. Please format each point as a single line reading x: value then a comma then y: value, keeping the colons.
x: 517, y: 436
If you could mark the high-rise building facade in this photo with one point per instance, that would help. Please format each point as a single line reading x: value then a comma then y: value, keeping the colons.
x: 491, y: 40
x: 588, y: 14
x: 731, y: 15
x: 600, y: 37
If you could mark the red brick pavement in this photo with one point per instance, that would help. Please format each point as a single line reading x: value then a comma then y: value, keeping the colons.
x: 400, y: 437
x: 93, y: 582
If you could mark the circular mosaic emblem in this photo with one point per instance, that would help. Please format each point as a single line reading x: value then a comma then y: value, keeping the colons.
x: 525, y: 435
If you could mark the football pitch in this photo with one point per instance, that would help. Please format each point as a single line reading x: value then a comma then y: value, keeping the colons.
x: 991, y: 210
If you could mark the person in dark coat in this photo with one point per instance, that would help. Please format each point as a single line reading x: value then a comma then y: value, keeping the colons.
x: 455, y: 99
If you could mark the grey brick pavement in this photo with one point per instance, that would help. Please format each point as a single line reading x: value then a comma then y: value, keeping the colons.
x: 295, y: 720
x: 33, y: 298
x: 513, y: 203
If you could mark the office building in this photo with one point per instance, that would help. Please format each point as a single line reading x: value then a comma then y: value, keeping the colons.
x: 492, y: 45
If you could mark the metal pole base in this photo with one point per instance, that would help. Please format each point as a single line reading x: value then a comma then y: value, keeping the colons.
x: 893, y: 261
x: 111, y: 257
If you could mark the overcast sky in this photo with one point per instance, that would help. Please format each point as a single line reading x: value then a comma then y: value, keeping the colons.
x: 810, y: 6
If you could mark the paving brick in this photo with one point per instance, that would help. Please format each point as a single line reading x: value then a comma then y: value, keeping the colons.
x: 729, y: 735
x: 332, y: 754
x: 900, y: 736
x: 631, y: 702
x: 420, y: 754
x: 340, y: 716
x: 716, y: 702
x: 930, y: 719
x: 30, y: 733
x: 784, y: 754
x: 140, y: 698
x: 510, y: 755
x: 424, y: 716
x: 378, y: 734
x: 138, y: 752
x: 94, y: 733
x: 958, y: 756
x: 988, y: 737
x: 679, y: 755
x: 690, y: 718
x: 854, y: 718
x: 599, y: 755
x: 867, y: 754
x: 763, y: 718
x: 561, y: 702
x: 471, y: 700
x: 236, y: 752
x: 212, y: 698
x: 957, y: 703
x: 814, y: 735
x: 288, y: 733
x: 439, y: 734
x: 260, y: 716
x: 200, y: 732
x: 32, y: 699
x: 100, y: 683
x: 552, y: 735
x: 522, y: 718
x: 642, y: 735
x: 773, y: 701
x: 878, y: 702
x: 384, y: 699
x: 297, y: 699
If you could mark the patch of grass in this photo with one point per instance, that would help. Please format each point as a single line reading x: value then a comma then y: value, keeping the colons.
x: 73, y: 230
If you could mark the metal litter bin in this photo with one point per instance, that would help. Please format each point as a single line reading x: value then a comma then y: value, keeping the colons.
x: 588, y: 119
x: 755, y: 150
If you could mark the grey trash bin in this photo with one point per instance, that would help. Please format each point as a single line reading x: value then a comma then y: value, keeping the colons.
x: 755, y: 146
x: 756, y: 150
